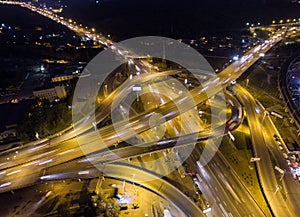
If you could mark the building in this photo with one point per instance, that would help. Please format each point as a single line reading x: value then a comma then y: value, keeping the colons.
x: 60, y: 78
x: 51, y: 94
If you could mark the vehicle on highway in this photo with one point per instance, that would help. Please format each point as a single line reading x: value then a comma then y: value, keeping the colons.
x: 276, y: 137
x: 207, y: 208
x: 197, y: 190
x: 123, y: 206
x: 135, y: 206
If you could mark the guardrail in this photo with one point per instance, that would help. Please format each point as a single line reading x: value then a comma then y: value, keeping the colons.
x: 283, y: 88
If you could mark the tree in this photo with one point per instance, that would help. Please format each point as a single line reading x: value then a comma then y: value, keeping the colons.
x: 45, y: 118
x: 107, y: 207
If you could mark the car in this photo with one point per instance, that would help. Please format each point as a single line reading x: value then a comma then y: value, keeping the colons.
x: 194, y: 177
x: 197, y: 183
x: 207, y: 204
x: 123, y: 206
x: 135, y: 205
x: 276, y: 137
x: 197, y: 190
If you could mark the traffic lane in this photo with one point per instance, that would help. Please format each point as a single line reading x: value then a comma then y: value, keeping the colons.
x: 290, y: 186
x: 236, y: 188
x: 19, y: 178
x: 230, y: 185
x: 221, y: 195
x: 269, y: 183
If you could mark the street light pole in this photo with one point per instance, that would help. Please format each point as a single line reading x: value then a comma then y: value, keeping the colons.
x: 247, y: 82
x: 277, y: 189
x: 132, y: 180
x: 265, y: 114
x: 124, y: 183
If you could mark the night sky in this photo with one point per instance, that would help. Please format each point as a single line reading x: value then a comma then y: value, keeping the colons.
x: 173, y: 18
x: 127, y: 18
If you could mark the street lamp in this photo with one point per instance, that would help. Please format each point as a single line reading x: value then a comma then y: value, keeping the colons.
x: 231, y: 136
x: 265, y: 113
x: 132, y: 180
x: 137, y: 89
x: 262, y: 55
x: 275, y: 192
x: 236, y: 57
x: 37, y: 136
x: 247, y: 82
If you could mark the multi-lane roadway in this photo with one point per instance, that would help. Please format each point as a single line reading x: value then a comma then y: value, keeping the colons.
x: 22, y: 168
x: 282, y: 204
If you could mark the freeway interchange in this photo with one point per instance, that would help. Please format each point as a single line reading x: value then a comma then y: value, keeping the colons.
x: 61, y: 157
